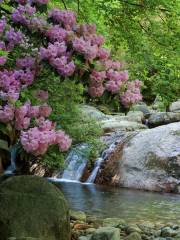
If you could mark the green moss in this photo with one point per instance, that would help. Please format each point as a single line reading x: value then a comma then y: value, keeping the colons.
x: 32, y: 207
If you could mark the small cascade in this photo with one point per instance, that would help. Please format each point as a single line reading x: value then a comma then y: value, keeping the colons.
x: 12, y: 167
x: 76, y: 162
x: 111, y: 141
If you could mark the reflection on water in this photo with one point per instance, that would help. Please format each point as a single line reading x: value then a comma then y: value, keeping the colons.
x: 127, y: 204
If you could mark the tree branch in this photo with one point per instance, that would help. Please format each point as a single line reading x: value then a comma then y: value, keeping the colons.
x: 64, y: 4
x: 78, y: 3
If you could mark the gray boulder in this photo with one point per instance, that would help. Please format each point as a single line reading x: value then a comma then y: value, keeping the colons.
x: 147, y: 160
x: 162, y: 118
x: 175, y: 106
x: 151, y: 160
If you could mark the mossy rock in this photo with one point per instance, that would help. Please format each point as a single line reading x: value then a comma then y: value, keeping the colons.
x: 134, y: 236
x: 32, y: 207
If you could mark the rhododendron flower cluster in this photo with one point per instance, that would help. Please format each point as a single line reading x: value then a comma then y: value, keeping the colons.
x: 72, y: 50
x: 30, y: 123
x: 132, y: 95
x: 37, y: 141
x: 67, y: 40
x: 65, y: 18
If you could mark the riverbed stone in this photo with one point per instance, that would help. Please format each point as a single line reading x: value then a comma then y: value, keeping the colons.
x: 108, y: 233
x: 168, y: 232
x: 24, y: 238
x: 33, y: 207
x: 134, y: 236
x: 163, y: 118
x: 114, y: 222
x: 88, y: 237
x: 133, y: 228
x: 77, y: 215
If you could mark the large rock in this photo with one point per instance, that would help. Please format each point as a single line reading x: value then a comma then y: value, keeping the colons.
x: 162, y: 118
x: 175, y: 106
x: 143, y: 108
x: 112, y: 124
x: 92, y: 112
x: 32, y: 207
x: 148, y: 160
x: 108, y: 233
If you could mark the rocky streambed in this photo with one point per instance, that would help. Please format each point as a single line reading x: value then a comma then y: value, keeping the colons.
x: 92, y: 228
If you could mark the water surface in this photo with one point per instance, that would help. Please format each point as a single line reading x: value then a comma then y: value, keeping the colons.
x: 127, y: 204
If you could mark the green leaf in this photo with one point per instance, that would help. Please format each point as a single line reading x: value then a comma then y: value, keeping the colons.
x: 4, y: 145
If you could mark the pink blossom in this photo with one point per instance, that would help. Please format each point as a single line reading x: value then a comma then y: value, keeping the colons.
x: 3, y: 60
x: 45, y: 110
x: 56, y: 34
x: 103, y: 53
x: 97, y: 77
x: 6, y: 113
x: 96, y: 90
x: 42, y: 95
x: 63, y: 141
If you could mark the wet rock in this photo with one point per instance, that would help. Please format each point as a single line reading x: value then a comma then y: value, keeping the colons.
x: 33, y: 207
x: 163, y: 118
x: 88, y: 237
x: 108, y: 233
x: 134, y: 236
x: 133, y: 228
x: 24, y: 238
x: 175, y: 106
x: 90, y: 230
x: 168, y: 232
x: 77, y: 215
x: 93, y: 220
x: 114, y: 222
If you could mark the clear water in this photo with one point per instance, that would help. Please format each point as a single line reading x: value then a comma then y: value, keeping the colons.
x: 130, y: 205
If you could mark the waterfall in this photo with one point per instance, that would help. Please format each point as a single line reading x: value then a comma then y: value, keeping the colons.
x: 111, y: 141
x: 12, y: 167
x: 76, y: 162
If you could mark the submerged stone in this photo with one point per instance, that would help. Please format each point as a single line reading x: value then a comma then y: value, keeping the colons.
x: 106, y: 233
x: 78, y: 215
x: 168, y: 232
x: 32, y: 207
x: 134, y: 236
x: 113, y: 222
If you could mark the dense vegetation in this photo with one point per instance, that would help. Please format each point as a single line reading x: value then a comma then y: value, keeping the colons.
x: 51, y: 61
x: 143, y: 33
x: 47, y: 58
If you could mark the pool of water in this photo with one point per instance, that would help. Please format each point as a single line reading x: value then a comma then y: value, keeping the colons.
x: 117, y: 202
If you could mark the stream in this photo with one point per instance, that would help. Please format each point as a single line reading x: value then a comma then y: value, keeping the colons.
x: 131, y: 205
